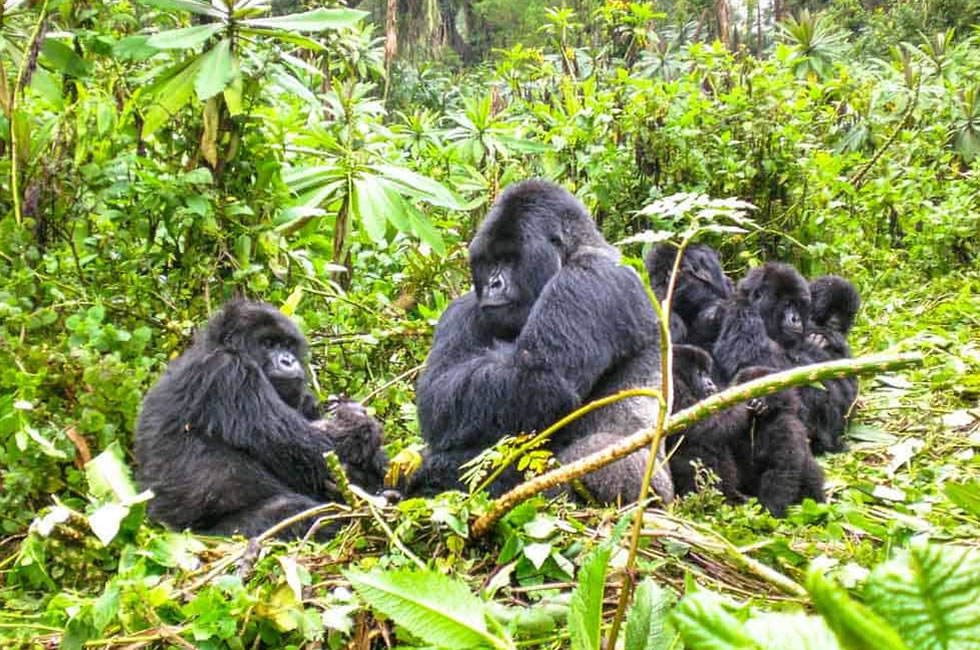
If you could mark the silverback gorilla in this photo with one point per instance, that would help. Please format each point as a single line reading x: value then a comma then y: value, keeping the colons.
x: 229, y: 438
x: 552, y: 323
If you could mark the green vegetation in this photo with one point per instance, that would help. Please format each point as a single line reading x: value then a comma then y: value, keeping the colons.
x: 159, y: 156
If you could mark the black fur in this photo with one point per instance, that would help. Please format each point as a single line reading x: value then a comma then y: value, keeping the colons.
x: 226, y: 438
x: 835, y: 302
x: 701, y: 284
x: 775, y: 462
x: 552, y: 322
x: 712, y: 441
x: 767, y: 316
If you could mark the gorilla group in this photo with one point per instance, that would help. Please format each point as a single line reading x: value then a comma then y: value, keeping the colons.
x: 231, y: 440
x: 552, y: 323
x: 772, y: 320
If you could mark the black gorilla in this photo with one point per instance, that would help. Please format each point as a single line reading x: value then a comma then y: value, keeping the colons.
x: 775, y: 462
x: 835, y: 302
x: 767, y: 316
x: 699, y: 290
x: 552, y: 323
x: 229, y: 438
x: 712, y: 441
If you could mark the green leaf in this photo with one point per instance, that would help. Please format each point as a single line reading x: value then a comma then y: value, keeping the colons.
x: 966, y: 495
x: 585, y: 613
x: 311, y: 21
x: 218, y: 68
x: 63, y: 58
x: 193, y: 6
x: 431, y: 606
x: 791, y: 631
x: 108, y: 475
x: 187, y: 37
x: 705, y: 623
x: 171, y: 94
x: 648, y: 624
x: 105, y: 521
x: 931, y: 595
x: 371, y: 204
x: 419, y: 186
x: 174, y: 550
x: 856, y: 626
x: 423, y: 228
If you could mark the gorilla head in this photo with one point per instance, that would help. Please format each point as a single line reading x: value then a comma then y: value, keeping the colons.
x: 261, y: 337
x: 692, y: 376
x: 701, y: 281
x: 835, y: 302
x: 781, y: 297
x: 517, y: 250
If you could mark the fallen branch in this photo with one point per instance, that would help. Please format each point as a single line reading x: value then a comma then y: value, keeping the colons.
x: 867, y: 365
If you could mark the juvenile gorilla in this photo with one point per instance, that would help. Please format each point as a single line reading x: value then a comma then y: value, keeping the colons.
x: 767, y: 316
x: 229, y: 438
x: 775, y: 462
x: 835, y: 302
x: 712, y: 441
x: 699, y: 290
x: 552, y: 323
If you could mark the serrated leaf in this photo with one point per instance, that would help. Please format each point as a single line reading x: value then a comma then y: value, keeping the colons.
x: 796, y: 631
x: 218, y: 69
x: 438, y: 610
x: 705, y: 624
x: 317, y: 20
x: 648, y: 624
x: 585, y: 612
x: 184, y: 38
x: 931, y: 595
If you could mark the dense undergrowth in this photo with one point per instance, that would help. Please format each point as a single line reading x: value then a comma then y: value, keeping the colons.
x: 147, y: 175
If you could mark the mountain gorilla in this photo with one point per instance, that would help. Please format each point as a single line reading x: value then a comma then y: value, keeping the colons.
x: 229, y: 438
x: 699, y: 290
x: 712, y: 441
x: 552, y: 323
x: 774, y: 460
x: 835, y: 302
x: 767, y: 316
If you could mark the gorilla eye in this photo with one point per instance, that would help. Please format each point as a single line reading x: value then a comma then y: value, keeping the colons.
x: 268, y: 342
x: 556, y: 240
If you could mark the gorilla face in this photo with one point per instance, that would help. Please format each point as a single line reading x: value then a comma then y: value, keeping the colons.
x: 782, y: 298
x: 511, y: 263
x: 263, y: 336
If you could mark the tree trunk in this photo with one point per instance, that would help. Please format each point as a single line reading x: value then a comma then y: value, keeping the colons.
x: 722, y: 12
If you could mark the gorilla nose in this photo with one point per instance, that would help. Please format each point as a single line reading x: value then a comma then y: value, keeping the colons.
x: 286, y: 360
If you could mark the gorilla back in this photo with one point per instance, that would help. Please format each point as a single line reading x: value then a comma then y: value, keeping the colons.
x: 552, y: 322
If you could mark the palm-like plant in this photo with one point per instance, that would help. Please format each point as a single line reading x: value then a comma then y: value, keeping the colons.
x: 816, y: 43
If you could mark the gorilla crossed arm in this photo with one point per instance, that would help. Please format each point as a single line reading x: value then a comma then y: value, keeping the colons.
x: 551, y: 319
x: 229, y: 438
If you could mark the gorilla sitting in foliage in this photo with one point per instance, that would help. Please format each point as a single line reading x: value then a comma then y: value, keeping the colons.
x: 774, y: 460
x: 713, y: 441
x: 229, y: 438
x: 552, y: 323
x: 699, y: 290
x: 834, y: 303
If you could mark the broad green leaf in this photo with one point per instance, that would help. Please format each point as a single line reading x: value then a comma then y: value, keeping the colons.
x: 171, y: 94
x: 585, y: 613
x: 108, y: 475
x: 856, y: 626
x: 193, y: 6
x: 966, y: 495
x: 931, y: 595
x: 438, y: 610
x: 419, y: 186
x: 218, y: 68
x: 706, y: 624
x: 292, y: 302
x: 186, y: 37
x: 63, y: 58
x: 287, y: 37
x: 175, y: 550
x: 648, y: 624
x: 371, y: 204
x: 299, y: 179
x: 538, y: 553
x: 791, y: 631
x: 311, y: 21
x: 423, y: 228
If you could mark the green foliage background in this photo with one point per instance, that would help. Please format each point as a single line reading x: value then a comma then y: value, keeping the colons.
x: 148, y: 174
